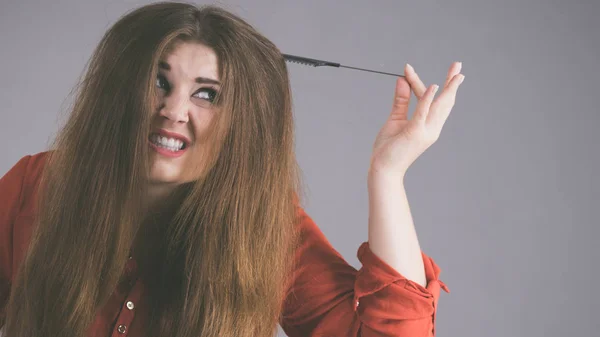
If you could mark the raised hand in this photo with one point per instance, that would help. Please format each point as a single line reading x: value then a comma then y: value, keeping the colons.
x: 401, y: 141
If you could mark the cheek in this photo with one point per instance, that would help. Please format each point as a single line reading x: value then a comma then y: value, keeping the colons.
x: 203, y: 124
x: 206, y: 149
x: 200, y: 149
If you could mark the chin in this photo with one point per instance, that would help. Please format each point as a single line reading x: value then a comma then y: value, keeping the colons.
x: 164, y: 174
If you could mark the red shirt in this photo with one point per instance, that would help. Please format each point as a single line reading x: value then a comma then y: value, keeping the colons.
x: 329, y: 298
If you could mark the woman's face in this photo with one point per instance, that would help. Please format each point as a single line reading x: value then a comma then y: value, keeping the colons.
x: 181, y: 127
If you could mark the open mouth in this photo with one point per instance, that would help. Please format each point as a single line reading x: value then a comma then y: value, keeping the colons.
x: 168, y: 143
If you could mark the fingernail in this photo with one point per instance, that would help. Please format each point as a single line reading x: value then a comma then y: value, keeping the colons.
x: 462, y: 78
x: 410, y: 67
x: 435, y: 88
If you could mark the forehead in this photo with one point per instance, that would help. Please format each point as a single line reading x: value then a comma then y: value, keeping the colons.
x: 189, y: 59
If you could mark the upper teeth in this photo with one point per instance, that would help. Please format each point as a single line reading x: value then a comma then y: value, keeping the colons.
x: 170, y: 142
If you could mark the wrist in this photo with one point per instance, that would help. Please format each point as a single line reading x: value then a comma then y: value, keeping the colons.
x: 382, y: 179
x: 380, y: 174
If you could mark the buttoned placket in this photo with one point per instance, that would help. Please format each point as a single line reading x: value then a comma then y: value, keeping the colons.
x: 127, y: 312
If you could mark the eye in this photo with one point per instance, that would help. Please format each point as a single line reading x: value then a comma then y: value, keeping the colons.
x: 207, y: 94
x: 162, y: 83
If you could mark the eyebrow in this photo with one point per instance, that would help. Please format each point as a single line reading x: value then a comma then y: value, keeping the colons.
x: 201, y: 80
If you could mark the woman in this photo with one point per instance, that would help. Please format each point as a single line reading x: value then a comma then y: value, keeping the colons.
x: 169, y: 203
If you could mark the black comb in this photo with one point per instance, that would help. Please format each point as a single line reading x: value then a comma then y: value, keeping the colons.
x: 320, y: 63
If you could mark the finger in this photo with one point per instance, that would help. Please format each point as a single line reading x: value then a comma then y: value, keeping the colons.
x: 401, y: 100
x: 415, y: 82
x: 422, y: 109
x: 455, y: 68
x: 441, y: 107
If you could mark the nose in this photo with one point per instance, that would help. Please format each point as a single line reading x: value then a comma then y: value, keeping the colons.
x: 175, y: 107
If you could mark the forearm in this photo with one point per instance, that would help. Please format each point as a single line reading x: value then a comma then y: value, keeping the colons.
x: 392, y: 234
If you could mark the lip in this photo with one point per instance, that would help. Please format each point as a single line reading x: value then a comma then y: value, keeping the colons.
x: 175, y: 135
x: 165, y: 152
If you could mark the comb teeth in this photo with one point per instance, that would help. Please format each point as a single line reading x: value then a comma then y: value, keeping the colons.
x: 308, y: 61
x: 320, y: 63
x: 300, y: 62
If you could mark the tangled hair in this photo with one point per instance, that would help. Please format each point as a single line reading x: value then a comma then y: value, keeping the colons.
x: 222, y: 264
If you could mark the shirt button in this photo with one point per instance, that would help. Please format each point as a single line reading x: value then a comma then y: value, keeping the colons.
x: 130, y: 305
x: 122, y: 328
x: 357, y: 303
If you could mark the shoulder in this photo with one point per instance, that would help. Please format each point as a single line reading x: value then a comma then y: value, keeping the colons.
x: 26, y: 166
x: 22, y: 179
x: 32, y: 179
x: 313, y: 245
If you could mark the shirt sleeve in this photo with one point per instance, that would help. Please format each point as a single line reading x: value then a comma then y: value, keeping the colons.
x: 11, y: 185
x: 328, y: 297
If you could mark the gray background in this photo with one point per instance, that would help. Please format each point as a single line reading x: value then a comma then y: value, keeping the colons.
x: 506, y: 201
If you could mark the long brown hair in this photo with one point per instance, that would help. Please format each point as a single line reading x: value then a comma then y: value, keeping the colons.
x: 227, y: 251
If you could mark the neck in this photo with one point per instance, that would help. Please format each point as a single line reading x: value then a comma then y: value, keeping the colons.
x: 159, y: 198
x: 158, y: 207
